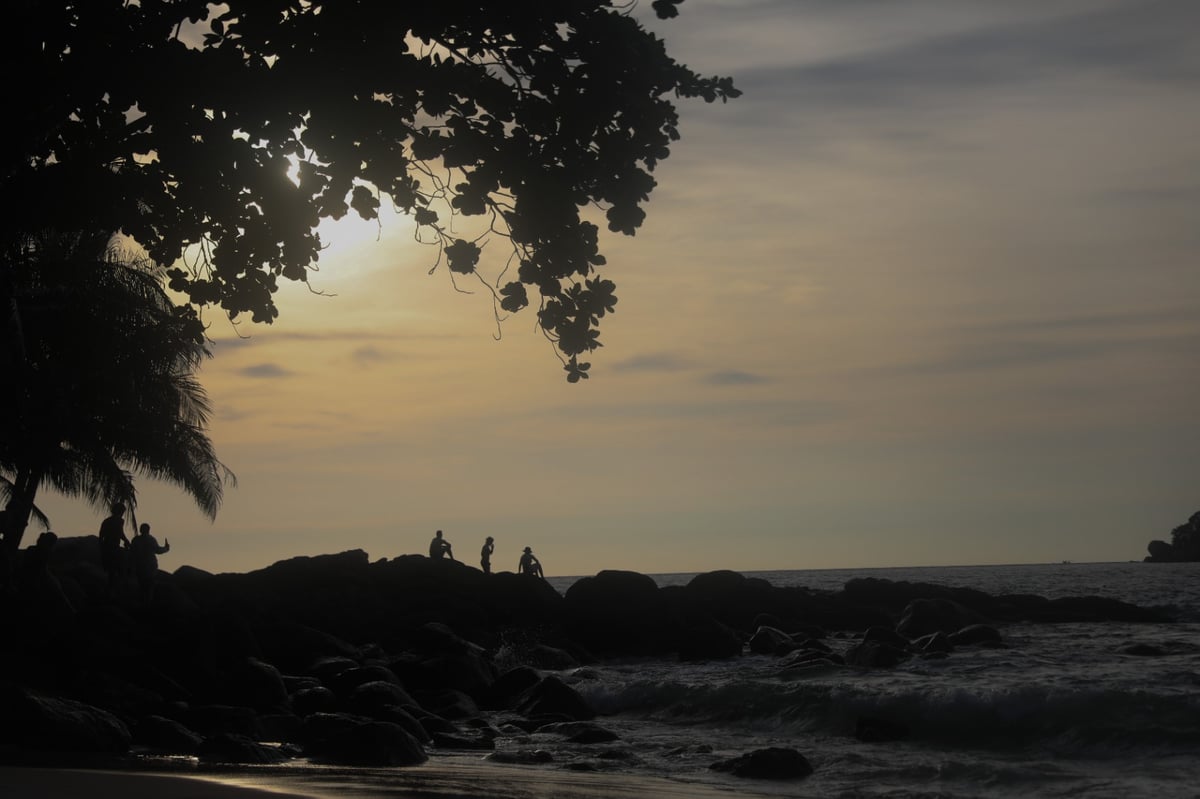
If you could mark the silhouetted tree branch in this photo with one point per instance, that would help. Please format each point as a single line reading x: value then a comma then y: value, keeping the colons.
x: 232, y: 130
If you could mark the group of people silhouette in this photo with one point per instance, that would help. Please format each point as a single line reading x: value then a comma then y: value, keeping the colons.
x: 440, y: 548
x: 117, y: 553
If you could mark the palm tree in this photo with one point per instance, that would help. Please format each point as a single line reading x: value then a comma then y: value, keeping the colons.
x: 100, y: 379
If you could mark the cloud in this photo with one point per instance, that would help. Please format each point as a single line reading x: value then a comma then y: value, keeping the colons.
x: 733, y: 377
x: 1151, y: 42
x: 369, y: 355
x: 265, y: 370
x: 653, y: 362
x: 1018, y: 345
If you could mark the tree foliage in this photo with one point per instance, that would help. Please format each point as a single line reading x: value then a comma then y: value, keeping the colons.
x: 1185, y: 539
x: 226, y: 133
x: 101, y: 366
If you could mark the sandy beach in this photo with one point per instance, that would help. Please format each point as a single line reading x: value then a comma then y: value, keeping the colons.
x: 459, y: 779
x: 41, y: 783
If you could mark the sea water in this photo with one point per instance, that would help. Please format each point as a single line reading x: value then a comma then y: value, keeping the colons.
x: 1059, y: 711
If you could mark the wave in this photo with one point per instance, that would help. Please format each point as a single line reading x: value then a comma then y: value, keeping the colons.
x: 990, y: 713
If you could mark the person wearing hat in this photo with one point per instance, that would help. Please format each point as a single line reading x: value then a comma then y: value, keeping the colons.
x: 530, y: 564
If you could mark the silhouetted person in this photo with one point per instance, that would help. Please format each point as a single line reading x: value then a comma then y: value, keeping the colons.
x: 112, y: 539
x: 485, y: 555
x: 530, y: 564
x: 35, y: 561
x: 39, y: 584
x: 440, y: 547
x: 145, y: 551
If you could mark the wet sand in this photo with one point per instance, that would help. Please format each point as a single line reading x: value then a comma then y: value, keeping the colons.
x: 50, y: 783
x: 461, y: 780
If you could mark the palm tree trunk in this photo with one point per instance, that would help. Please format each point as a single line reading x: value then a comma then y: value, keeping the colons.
x: 16, y: 518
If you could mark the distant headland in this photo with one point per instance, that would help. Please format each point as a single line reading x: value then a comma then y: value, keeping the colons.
x: 1184, y: 546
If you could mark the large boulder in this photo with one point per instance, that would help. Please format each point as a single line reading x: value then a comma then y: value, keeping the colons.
x: 706, y: 639
x: 365, y: 744
x: 1161, y: 552
x: 618, y: 613
x: 552, y: 698
x: 165, y: 735
x: 227, y: 747
x: 31, y: 721
x: 773, y: 763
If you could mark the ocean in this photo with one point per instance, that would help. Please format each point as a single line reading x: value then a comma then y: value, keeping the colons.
x: 1059, y: 711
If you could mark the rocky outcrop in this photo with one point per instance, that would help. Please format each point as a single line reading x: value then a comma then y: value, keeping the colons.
x: 1184, y: 546
x: 367, y: 662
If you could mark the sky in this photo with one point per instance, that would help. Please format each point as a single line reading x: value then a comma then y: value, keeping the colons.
x: 925, y: 295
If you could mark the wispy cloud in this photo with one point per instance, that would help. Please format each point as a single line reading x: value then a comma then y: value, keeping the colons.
x: 265, y: 371
x: 653, y: 362
x: 733, y: 377
x: 370, y: 355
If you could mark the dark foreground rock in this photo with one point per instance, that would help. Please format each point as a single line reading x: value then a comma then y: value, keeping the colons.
x: 362, y: 662
x: 774, y: 763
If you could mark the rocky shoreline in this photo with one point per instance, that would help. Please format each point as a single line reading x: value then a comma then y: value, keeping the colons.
x: 349, y: 661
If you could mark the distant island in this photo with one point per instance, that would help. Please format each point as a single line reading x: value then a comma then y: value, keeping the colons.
x: 1184, y: 546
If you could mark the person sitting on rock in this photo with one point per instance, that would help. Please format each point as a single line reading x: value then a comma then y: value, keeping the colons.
x: 530, y: 564
x: 145, y: 551
x: 440, y: 547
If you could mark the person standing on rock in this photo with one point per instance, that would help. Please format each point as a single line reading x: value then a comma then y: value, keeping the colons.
x: 440, y: 547
x: 530, y: 564
x: 145, y: 551
x: 485, y: 555
x: 112, y: 542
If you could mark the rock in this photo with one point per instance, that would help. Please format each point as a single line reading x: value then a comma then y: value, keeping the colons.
x: 367, y: 698
x: 367, y: 744
x: 327, y: 668
x: 510, y: 686
x: 552, y: 697
x: 347, y: 681
x: 522, y: 757
x: 875, y: 655
x: 811, y: 657
x: 705, y: 639
x: 1160, y: 552
x: 773, y: 763
x: 445, y: 740
x: 618, y: 613
x: 924, y: 616
x: 938, y: 643
x: 579, y: 732
x: 876, y: 730
x: 771, y: 641
x: 976, y: 634
x: 448, y: 703
x: 233, y: 748
x: 31, y: 721
x: 215, y: 719
x: 255, y: 684
x: 887, y: 636
x: 166, y: 735
x: 307, y: 701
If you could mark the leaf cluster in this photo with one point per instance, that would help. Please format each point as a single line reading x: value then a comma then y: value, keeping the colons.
x: 230, y: 131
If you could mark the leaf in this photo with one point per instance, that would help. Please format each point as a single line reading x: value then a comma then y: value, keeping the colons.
x: 515, y: 297
x: 462, y: 256
x: 425, y: 216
